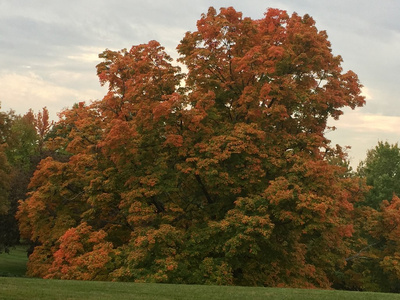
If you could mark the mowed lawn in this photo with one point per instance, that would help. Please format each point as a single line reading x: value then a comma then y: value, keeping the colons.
x: 29, y: 288
x: 14, y: 263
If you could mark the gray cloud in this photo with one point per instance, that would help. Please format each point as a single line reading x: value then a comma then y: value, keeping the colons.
x: 49, y: 50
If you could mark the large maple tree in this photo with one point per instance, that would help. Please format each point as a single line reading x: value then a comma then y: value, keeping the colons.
x: 222, y: 175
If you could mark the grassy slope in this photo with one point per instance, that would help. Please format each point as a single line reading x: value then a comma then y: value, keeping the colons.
x: 28, y: 288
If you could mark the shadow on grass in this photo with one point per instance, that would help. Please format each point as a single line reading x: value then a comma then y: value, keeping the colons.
x: 13, y: 264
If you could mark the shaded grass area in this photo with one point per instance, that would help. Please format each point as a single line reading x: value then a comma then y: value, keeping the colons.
x: 14, y: 263
x: 29, y: 288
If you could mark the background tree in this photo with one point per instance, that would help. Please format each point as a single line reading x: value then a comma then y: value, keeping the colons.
x: 381, y: 170
x: 4, y: 200
x: 6, y: 236
x: 23, y: 147
x: 4, y: 166
x: 372, y: 265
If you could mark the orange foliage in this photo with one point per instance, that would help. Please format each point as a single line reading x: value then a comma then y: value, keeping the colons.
x: 82, y: 254
x: 226, y: 180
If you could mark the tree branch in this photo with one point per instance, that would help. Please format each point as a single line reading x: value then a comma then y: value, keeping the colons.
x: 358, y: 254
x: 204, y: 189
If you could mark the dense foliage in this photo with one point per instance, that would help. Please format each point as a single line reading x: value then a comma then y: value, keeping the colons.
x: 381, y: 169
x: 222, y: 175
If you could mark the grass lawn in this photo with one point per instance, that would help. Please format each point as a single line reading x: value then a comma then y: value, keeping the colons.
x: 13, y: 264
x: 28, y: 288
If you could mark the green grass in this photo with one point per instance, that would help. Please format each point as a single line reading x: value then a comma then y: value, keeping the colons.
x: 28, y: 288
x: 13, y: 264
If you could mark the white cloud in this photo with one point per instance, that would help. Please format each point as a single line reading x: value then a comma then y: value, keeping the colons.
x: 358, y: 121
x: 367, y: 93
x: 20, y: 92
x: 86, y: 55
x: 362, y: 131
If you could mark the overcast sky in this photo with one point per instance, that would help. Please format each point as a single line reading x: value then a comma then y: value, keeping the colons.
x: 49, y: 50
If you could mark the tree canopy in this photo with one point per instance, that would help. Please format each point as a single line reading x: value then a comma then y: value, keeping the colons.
x: 222, y: 175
